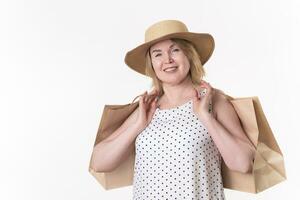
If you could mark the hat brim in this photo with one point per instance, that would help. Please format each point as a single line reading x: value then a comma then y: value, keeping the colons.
x: 203, y: 42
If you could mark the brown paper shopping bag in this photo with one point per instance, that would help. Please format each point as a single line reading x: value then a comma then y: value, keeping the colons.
x: 268, y: 167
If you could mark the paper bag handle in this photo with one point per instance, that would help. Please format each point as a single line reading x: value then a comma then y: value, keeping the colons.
x: 135, y: 98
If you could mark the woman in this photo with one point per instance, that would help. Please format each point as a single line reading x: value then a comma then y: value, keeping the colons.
x: 178, y: 136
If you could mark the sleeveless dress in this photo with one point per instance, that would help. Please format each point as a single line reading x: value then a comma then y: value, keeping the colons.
x: 176, y: 158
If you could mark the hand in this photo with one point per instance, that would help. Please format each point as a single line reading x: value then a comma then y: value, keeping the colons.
x: 201, y: 105
x: 147, y: 107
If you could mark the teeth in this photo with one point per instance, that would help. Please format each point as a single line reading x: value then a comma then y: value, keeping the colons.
x: 170, y: 69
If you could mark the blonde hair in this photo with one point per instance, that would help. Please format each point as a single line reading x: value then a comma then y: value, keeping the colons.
x: 196, y: 72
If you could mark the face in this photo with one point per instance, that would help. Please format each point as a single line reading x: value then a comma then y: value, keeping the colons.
x: 169, y: 62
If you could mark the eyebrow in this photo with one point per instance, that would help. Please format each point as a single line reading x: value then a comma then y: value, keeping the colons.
x: 158, y: 50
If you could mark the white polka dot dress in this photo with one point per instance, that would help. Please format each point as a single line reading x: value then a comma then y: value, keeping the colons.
x: 176, y: 158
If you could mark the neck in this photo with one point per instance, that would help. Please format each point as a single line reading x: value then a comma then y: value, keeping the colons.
x: 176, y: 94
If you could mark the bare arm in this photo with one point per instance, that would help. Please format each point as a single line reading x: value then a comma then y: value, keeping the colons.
x: 109, y: 153
x: 236, y: 149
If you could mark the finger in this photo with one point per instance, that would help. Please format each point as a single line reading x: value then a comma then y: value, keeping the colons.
x: 142, y: 101
x: 209, y: 94
x: 146, y: 103
x: 146, y: 96
x: 150, y: 102
x: 205, y: 83
x: 151, y: 97
x: 141, y: 96
x: 152, y: 109
x: 141, y: 106
x: 202, y: 91
x: 196, y: 93
x: 203, y: 86
x: 196, y: 96
x: 153, y: 92
x: 153, y: 105
x: 208, y: 85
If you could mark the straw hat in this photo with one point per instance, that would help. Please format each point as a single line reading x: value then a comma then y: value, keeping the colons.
x: 166, y: 29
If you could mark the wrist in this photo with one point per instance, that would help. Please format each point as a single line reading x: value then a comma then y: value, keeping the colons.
x: 137, y: 128
x: 206, y: 117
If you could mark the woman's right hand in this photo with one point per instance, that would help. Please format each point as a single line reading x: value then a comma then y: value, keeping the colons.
x: 146, y: 109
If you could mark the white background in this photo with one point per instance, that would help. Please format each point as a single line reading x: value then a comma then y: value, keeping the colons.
x: 61, y: 61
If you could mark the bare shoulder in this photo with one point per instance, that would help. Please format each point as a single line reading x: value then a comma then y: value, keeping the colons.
x: 220, y: 102
x: 219, y: 95
x: 227, y: 116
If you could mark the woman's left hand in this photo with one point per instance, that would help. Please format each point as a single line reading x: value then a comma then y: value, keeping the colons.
x: 201, y: 103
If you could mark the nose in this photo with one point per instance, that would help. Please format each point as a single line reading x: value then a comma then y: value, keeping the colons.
x: 168, y: 58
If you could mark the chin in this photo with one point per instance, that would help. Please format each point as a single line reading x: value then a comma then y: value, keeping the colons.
x: 172, y: 81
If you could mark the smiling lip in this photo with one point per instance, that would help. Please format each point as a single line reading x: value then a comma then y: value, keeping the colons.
x: 170, y: 67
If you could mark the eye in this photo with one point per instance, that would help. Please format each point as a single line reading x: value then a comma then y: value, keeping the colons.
x: 175, y: 49
x: 157, y: 54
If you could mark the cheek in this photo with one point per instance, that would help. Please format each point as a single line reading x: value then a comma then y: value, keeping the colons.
x: 156, y: 69
x: 156, y: 65
x: 186, y: 63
